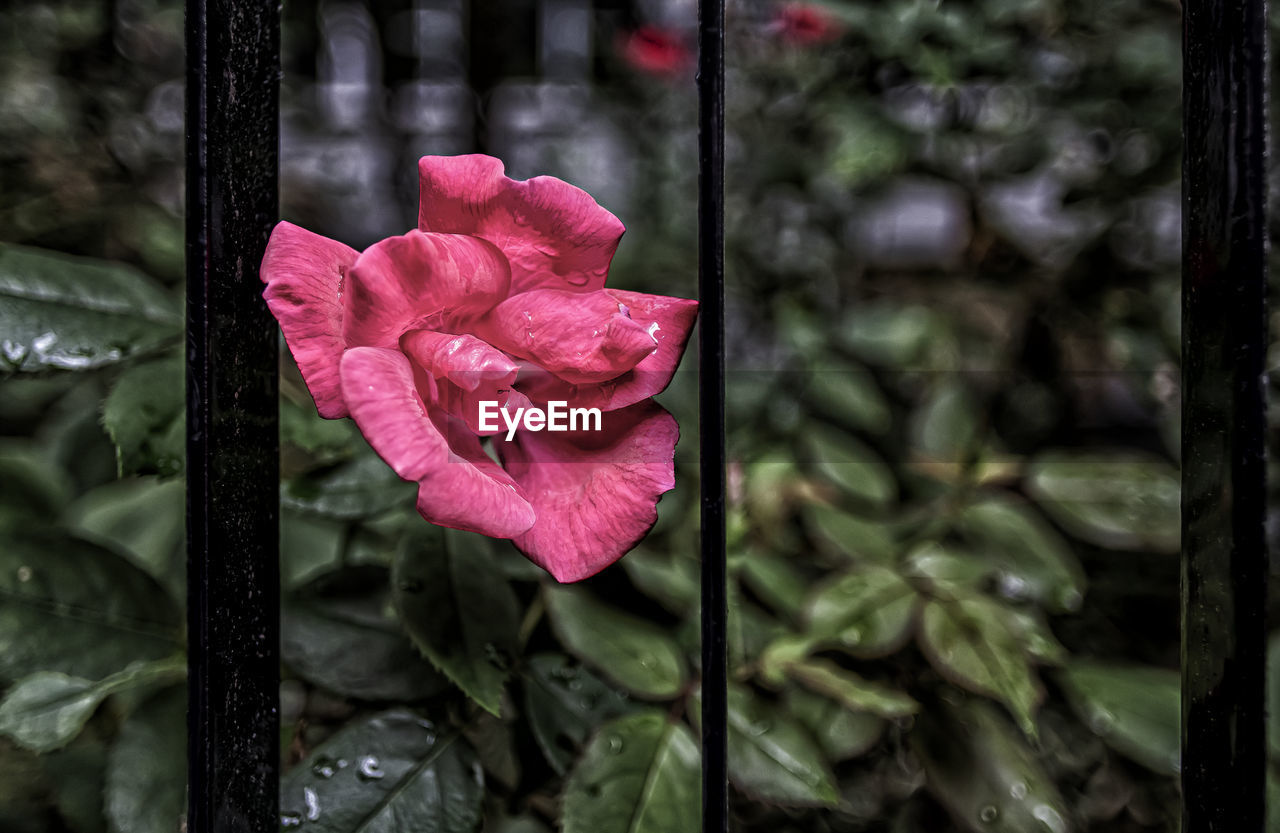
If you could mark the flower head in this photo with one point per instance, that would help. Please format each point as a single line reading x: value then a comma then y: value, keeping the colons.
x: 804, y: 24
x: 498, y: 298
x: 655, y: 50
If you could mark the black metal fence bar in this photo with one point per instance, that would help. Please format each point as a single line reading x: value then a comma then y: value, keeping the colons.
x: 715, y: 797
x: 1224, y: 340
x: 233, y: 68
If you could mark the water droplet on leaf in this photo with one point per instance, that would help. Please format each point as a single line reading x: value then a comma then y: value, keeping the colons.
x: 370, y: 769
x: 988, y: 814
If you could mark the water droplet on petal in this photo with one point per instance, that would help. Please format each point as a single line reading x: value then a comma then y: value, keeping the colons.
x: 988, y: 814
x: 313, y: 803
x: 369, y: 769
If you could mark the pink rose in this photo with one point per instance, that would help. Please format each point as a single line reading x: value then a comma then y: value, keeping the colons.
x: 656, y: 51
x: 803, y: 24
x: 497, y: 297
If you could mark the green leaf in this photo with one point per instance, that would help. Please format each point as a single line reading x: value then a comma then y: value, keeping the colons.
x: 340, y: 633
x: 640, y: 774
x: 971, y: 642
x: 458, y: 610
x: 1136, y: 710
x: 772, y: 757
x: 948, y: 572
x: 841, y: 733
x: 326, y: 440
x: 77, y: 774
x: 850, y: 464
x: 1119, y: 499
x: 361, y: 488
x: 775, y: 580
x: 669, y: 578
x: 848, y: 537
x: 946, y: 425
x: 634, y: 653
x: 564, y: 703
x: 46, y: 710
x: 145, y: 416
x: 984, y: 773
x: 72, y: 606
x: 389, y: 773
x: 144, y: 518
x: 888, y: 334
x: 851, y: 690
x: 146, y: 788
x: 33, y: 490
x: 868, y: 612
x: 76, y: 313
x: 1033, y: 562
x: 852, y: 397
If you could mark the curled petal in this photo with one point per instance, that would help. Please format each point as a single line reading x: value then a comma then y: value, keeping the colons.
x: 466, y: 372
x: 595, y: 493
x: 458, y: 485
x: 420, y: 281
x: 553, y: 233
x: 578, y: 336
x: 668, y: 320
x: 304, y: 274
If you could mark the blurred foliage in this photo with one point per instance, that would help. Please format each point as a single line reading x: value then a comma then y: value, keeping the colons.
x: 953, y: 250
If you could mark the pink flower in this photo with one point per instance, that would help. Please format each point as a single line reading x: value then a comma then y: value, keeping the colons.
x: 803, y: 24
x: 655, y: 51
x: 498, y: 296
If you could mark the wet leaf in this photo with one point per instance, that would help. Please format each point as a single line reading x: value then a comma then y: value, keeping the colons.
x: 944, y: 428
x: 75, y: 313
x: 46, y: 710
x: 971, y: 642
x: 564, y: 703
x: 841, y: 733
x: 340, y: 633
x: 385, y: 774
x: 145, y: 416
x: 74, y: 607
x: 1118, y: 499
x: 867, y: 612
x: 772, y: 757
x: 1136, y: 710
x: 359, y: 488
x: 852, y: 690
x: 33, y: 491
x: 636, y: 654
x: 984, y: 773
x: 639, y: 774
x: 1032, y: 561
x: 459, y: 613
x: 146, y: 788
x: 144, y: 518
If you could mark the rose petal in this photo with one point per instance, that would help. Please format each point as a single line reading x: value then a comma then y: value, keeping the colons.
x: 304, y: 274
x: 420, y: 281
x: 458, y: 485
x: 668, y: 320
x: 595, y: 493
x: 468, y: 372
x: 553, y: 233
x: 579, y: 336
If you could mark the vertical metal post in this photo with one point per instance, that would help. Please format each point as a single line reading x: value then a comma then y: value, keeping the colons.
x: 1224, y: 341
x: 715, y: 789
x: 233, y: 73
